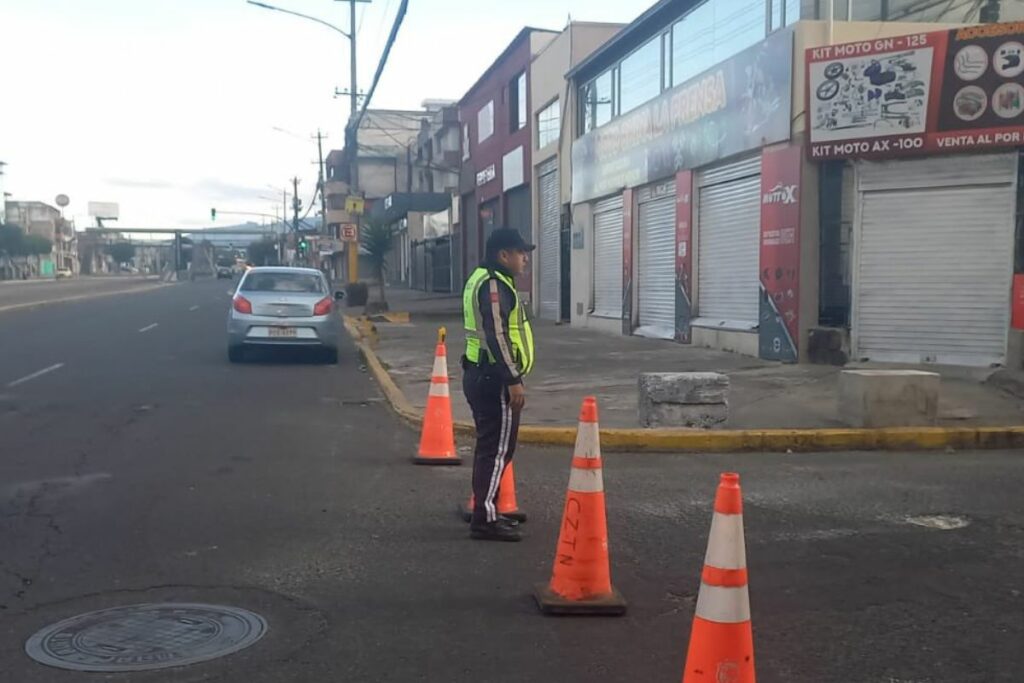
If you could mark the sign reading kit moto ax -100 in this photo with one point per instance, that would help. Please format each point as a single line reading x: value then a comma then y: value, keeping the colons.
x: 943, y: 91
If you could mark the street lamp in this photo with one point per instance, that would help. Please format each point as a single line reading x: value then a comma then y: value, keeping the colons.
x: 353, y: 247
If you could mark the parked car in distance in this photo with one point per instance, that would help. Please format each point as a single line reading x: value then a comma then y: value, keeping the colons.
x: 284, y: 307
x: 64, y: 273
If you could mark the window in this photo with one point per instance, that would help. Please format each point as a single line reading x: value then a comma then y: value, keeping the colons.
x: 283, y: 281
x: 485, y: 122
x: 792, y: 11
x: 666, y: 60
x: 714, y: 32
x: 597, y: 98
x: 517, y: 113
x: 465, y: 141
x: 549, y: 123
x: 640, y: 76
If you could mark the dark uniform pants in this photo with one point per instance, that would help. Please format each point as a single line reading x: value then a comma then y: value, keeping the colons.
x: 497, y: 428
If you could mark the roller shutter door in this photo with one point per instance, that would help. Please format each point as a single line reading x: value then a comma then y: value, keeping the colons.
x: 656, y: 266
x: 934, y: 246
x: 608, y: 258
x: 549, y: 247
x: 728, y: 245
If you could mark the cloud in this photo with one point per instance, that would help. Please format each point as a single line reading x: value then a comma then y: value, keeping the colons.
x: 140, y: 184
x: 212, y: 188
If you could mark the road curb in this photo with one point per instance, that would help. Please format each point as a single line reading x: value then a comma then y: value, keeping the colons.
x: 82, y: 297
x: 726, y: 440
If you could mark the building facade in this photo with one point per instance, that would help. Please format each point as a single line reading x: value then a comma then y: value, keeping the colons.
x: 700, y: 213
x: 43, y: 220
x: 553, y: 107
x: 497, y: 143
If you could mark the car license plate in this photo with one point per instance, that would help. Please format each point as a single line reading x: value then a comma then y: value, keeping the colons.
x: 282, y: 332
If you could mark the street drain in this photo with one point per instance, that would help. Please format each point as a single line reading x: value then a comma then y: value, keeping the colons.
x: 942, y: 522
x: 145, y: 637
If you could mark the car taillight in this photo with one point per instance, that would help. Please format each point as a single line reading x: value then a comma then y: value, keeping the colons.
x: 242, y: 305
x: 324, y: 306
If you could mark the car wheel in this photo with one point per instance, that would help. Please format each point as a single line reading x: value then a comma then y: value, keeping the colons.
x: 236, y: 354
x: 331, y: 356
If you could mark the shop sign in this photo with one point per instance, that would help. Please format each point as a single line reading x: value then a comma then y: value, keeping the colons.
x: 739, y: 105
x: 779, y: 324
x: 485, y: 176
x: 942, y: 91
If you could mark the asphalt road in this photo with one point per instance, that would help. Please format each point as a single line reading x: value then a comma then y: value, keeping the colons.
x: 24, y: 293
x: 142, y: 467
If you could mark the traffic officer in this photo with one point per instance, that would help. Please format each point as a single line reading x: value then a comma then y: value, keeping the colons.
x: 499, y: 353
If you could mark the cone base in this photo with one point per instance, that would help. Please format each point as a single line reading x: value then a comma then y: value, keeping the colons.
x: 466, y: 513
x: 437, y: 460
x: 612, y: 604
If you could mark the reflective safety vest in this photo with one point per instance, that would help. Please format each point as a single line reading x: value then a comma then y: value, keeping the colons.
x: 519, y: 330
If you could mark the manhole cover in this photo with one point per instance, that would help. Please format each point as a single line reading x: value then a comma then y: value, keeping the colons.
x: 145, y: 637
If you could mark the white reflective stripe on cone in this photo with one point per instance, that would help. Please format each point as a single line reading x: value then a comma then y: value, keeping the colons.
x: 723, y: 605
x: 440, y: 389
x: 725, y: 544
x: 586, y: 481
x: 440, y: 367
x: 588, y: 443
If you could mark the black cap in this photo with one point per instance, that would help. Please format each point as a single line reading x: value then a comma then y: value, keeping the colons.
x: 507, y: 238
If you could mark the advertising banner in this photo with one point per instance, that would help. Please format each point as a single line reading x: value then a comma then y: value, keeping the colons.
x: 943, y: 91
x: 684, y: 255
x: 742, y: 104
x: 779, y: 329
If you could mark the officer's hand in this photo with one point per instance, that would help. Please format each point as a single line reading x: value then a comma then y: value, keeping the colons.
x: 517, y: 396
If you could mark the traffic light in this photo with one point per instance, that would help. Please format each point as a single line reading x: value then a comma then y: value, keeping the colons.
x: 213, y: 214
x: 303, y: 244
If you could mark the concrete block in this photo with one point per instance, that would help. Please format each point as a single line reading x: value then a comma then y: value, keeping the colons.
x: 684, y: 387
x: 683, y: 399
x: 888, y: 398
x: 699, y: 416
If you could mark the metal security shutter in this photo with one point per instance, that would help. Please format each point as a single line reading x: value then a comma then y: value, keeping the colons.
x: 608, y: 258
x: 548, y: 261
x: 728, y: 245
x: 934, y: 250
x: 656, y: 277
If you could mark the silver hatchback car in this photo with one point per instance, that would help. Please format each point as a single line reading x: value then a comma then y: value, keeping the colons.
x: 284, y: 307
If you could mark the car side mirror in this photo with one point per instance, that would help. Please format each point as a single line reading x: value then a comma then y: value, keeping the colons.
x: 339, y: 295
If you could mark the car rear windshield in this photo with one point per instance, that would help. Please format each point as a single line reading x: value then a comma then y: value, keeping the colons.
x: 283, y: 282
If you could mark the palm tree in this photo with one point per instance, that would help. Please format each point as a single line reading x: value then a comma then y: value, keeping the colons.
x: 376, y: 239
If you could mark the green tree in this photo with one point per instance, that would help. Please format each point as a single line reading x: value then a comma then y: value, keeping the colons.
x: 377, y: 239
x: 121, y: 252
x: 36, y: 245
x: 11, y: 237
x: 263, y: 252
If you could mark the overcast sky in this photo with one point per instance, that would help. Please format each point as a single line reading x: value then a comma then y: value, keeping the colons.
x: 169, y: 107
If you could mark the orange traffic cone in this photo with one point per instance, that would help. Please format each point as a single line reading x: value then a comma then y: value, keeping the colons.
x: 721, y: 641
x: 580, y: 577
x: 437, y: 440
x: 507, y: 506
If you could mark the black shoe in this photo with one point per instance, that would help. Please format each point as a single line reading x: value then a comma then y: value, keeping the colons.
x: 498, y: 531
x: 508, y: 521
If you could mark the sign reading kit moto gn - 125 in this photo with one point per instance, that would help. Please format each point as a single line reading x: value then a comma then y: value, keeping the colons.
x: 942, y: 91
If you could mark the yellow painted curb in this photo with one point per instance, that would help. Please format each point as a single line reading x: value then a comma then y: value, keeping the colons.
x: 83, y: 297
x: 722, y: 441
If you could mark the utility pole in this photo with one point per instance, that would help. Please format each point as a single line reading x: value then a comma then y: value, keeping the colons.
x: 323, y: 183
x: 295, y: 206
x: 352, y: 138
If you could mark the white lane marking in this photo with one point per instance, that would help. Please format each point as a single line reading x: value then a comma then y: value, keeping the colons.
x: 194, y: 308
x: 38, y: 373
x: 147, y: 328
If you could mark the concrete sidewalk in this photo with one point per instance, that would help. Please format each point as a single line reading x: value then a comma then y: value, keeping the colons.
x: 572, y: 363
